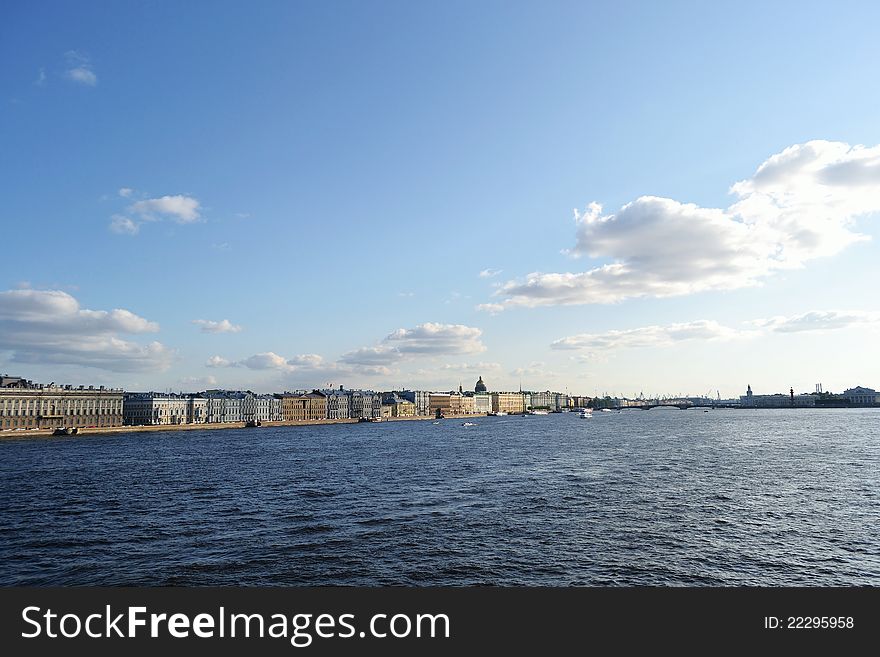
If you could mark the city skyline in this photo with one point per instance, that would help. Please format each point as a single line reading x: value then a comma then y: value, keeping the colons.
x: 292, y: 198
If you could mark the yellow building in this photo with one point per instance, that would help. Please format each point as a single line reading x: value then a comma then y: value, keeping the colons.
x: 403, y: 408
x: 508, y: 402
x: 452, y: 403
x: 466, y: 404
x: 310, y: 406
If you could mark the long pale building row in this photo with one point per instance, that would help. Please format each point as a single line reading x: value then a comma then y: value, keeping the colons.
x: 26, y: 405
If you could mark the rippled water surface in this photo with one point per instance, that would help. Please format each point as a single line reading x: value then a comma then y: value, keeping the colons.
x: 662, y: 497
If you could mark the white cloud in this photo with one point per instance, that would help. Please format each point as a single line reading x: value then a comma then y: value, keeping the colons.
x: 269, y: 360
x: 432, y: 338
x: 427, y: 339
x: 223, y: 326
x: 198, y: 381
x: 650, y: 336
x: 306, y: 361
x: 179, y: 208
x: 535, y: 369
x: 491, y: 308
x: 489, y: 273
x: 123, y: 225
x: 79, y: 69
x: 371, y: 356
x: 183, y: 209
x: 83, y: 75
x: 48, y: 326
x: 41, y: 78
x: 481, y: 366
x: 818, y: 320
x: 799, y: 205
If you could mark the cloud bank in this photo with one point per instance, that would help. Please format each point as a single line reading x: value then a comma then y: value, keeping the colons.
x: 799, y: 205
x: 49, y: 327
x: 710, y: 330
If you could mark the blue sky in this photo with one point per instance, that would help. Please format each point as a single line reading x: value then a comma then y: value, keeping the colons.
x: 332, y: 178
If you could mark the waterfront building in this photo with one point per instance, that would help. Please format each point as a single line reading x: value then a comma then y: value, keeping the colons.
x: 27, y: 405
x: 561, y: 402
x: 157, y: 408
x: 543, y: 400
x: 441, y: 402
x: 508, y: 402
x: 197, y: 410
x: 578, y: 401
x: 230, y: 406
x: 305, y: 406
x: 399, y: 406
x: 421, y: 399
x: 778, y: 400
x: 466, y: 404
x: 268, y: 408
x: 860, y: 396
x: 337, y: 403
x: 482, y: 403
x: 365, y: 404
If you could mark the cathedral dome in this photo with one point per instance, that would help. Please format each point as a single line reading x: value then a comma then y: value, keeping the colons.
x: 480, y: 387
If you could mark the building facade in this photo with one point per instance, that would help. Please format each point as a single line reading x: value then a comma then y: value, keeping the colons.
x: 543, y: 400
x: 338, y: 407
x: 365, y: 404
x: 778, y: 400
x: 303, y: 407
x: 482, y: 403
x: 508, y: 402
x: 397, y: 406
x: 268, y: 408
x: 156, y: 408
x: 860, y: 396
x: 225, y: 406
x: 26, y: 405
x: 421, y: 399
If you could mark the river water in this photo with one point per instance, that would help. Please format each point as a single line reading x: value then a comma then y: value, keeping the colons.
x: 661, y: 497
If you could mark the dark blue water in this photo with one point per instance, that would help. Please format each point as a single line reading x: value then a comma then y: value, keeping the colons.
x: 662, y: 497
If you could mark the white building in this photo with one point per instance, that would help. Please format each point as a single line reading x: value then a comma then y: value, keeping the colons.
x: 156, y: 408
x: 860, y: 396
x: 267, y: 408
x: 542, y: 400
x: 230, y: 406
x: 778, y: 400
x: 482, y: 402
x: 364, y: 404
x: 338, y: 400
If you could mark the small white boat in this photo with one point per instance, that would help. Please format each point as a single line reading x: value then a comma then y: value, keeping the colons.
x: 585, y: 414
x: 497, y: 413
x: 539, y: 413
x: 435, y: 423
x: 606, y: 410
x: 468, y: 424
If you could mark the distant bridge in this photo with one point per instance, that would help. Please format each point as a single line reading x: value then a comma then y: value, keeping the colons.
x: 649, y: 404
x: 681, y: 404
